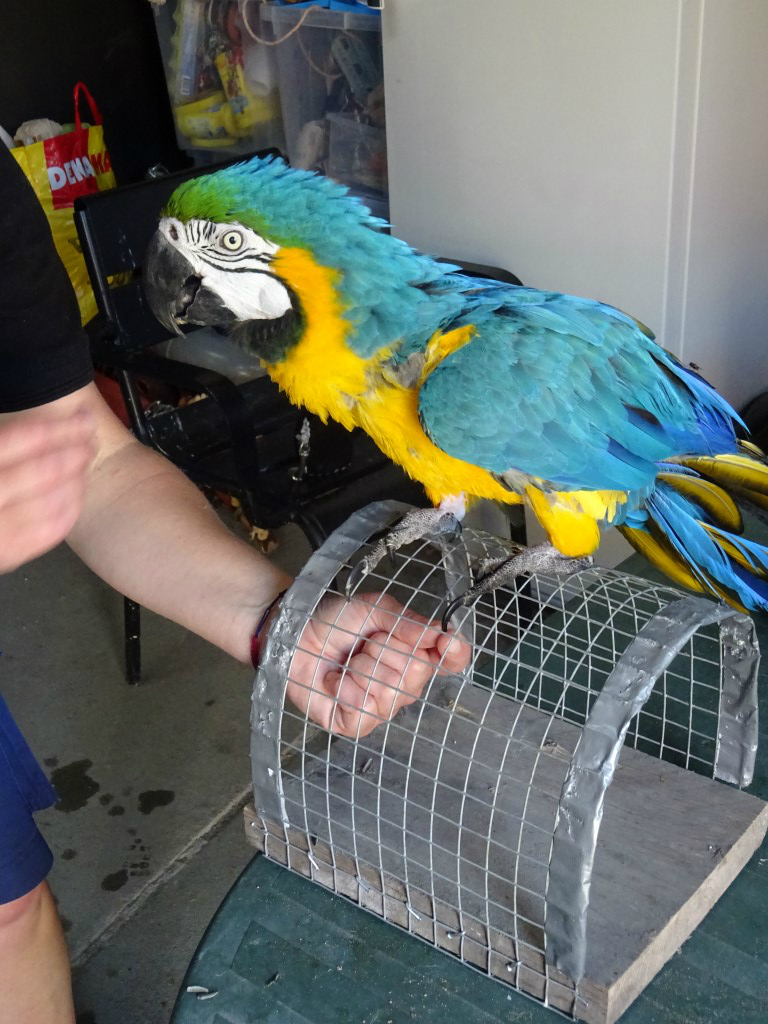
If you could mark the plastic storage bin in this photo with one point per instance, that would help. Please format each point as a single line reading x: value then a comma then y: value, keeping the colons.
x: 357, y: 153
x: 331, y: 84
x: 221, y: 81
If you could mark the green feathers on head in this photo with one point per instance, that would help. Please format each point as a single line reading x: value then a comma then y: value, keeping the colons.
x: 286, y: 206
x: 381, y: 277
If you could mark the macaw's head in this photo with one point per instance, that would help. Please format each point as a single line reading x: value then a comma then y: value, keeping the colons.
x: 263, y: 250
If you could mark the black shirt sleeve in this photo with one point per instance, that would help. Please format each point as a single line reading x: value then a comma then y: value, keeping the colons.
x: 43, y: 349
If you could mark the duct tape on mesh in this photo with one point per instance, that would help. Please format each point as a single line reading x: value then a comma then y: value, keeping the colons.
x: 594, y: 760
x: 737, y: 735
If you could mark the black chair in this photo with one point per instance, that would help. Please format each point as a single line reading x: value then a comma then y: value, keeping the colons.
x: 243, y: 439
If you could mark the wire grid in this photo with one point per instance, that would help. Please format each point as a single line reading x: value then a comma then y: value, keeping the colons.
x: 441, y: 820
x: 576, y: 629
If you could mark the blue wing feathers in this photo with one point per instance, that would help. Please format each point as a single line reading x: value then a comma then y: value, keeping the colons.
x: 570, y: 392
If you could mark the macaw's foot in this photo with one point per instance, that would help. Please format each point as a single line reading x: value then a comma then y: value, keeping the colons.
x: 418, y: 523
x: 494, y: 572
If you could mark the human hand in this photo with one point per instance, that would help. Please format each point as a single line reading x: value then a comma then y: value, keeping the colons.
x: 358, y: 662
x: 43, y: 468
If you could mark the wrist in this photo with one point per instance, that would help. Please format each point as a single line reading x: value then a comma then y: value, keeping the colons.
x: 249, y: 602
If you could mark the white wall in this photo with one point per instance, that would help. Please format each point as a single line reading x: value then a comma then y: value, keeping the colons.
x: 725, y: 324
x: 610, y: 148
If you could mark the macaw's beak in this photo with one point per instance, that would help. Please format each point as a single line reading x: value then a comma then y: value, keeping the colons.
x: 175, y: 293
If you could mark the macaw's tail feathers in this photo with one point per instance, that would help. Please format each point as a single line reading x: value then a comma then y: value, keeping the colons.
x: 691, y: 526
x: 744, y: 474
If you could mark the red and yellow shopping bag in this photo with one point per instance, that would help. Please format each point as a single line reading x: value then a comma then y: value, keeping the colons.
x: 61, y: 169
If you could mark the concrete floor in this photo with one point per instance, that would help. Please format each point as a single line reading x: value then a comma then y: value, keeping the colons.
x: 147, y: 835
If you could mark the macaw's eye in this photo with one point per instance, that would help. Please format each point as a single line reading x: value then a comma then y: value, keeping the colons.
x: 232, y: 241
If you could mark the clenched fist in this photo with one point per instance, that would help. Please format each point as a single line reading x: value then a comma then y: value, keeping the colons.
x: 358, y: 662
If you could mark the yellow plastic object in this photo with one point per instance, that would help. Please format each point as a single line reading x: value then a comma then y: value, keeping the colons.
x: 207, y: 120
x: 248, y: 109
x: 220, y: 143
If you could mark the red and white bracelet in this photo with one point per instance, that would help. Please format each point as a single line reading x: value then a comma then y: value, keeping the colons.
x: 257, y: 640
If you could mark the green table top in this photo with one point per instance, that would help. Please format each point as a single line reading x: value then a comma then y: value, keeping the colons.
x: 283, y: 950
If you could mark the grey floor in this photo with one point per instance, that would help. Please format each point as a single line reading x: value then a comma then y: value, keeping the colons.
x: 147, y: 835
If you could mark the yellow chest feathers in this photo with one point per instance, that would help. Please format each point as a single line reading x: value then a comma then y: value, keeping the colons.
x: 323, y: 374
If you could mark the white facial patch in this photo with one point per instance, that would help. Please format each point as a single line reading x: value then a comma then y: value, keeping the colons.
x: 234, y: 262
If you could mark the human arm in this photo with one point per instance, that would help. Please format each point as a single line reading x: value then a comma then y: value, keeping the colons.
x: 150, y: 533
x: 146, y: 530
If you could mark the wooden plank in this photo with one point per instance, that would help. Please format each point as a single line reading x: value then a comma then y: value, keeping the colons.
x: 624, y: 990
x: 384, y: 825
x: 689, y: 838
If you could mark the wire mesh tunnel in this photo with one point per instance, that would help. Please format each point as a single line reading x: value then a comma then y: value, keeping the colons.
x: 474, y: 818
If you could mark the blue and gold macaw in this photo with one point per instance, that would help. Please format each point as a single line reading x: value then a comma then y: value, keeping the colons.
x: 477, y: 389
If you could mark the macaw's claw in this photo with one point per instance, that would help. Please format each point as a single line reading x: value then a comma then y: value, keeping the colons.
x: 416, y: 524
x: 358, y: 573
x: 494, y: 572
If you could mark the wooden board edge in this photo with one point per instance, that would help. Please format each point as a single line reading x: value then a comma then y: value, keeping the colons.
x: 623, y: 992
x: 250, y: 819
x: 414, y: 912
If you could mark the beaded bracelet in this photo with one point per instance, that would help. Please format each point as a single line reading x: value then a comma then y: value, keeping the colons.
x: 258, y: 637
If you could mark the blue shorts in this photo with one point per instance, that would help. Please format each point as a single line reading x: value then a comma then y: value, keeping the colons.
x: 25, y: 858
